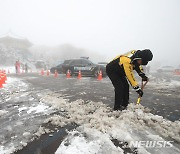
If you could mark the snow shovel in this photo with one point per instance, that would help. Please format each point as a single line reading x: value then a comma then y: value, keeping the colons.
x: 142, y: 87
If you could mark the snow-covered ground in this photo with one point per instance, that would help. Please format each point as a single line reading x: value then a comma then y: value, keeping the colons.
x: 10, y: 69
x: 99, y: 125
x: 164, y: 83
x: 21, y: 114
x: 22, y: 122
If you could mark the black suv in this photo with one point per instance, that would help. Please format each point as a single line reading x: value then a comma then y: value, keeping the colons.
x: 84, y: 65
x: 58, y: 68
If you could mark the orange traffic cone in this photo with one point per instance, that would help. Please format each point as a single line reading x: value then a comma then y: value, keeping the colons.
x: 79, y: 75
x: 42, y: 72
x: 68, y: 75
x: 177, y: 72
x: 1, y: 84
x: 56, y: 74
x: 100, y: 75
x: 3, y: 79
x: 47, y: 72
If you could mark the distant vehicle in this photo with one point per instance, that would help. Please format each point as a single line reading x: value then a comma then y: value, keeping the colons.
x: 84, y: 65
x: 177, y: 70
x: 166, y: 69
x: 103, y: 63
x: 58, y: 62
x: 40, y: 64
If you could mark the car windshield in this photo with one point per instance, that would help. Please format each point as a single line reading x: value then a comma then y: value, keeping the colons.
x: 86, y: 62
x: 76, y: 62
x: 59, y: 65
x: 67, y: 61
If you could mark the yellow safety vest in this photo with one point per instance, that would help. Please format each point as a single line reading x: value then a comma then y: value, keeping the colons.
x: 125, y: 62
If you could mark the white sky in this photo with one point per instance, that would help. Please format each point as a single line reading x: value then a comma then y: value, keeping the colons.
x: 109, y: 27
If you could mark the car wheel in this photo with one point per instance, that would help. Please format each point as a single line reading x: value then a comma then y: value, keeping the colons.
x: 52, y: 71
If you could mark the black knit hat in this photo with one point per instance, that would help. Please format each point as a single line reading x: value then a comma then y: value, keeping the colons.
x: 146, y: 56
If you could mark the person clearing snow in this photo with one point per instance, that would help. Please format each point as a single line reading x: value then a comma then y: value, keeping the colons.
x: 121, y: 68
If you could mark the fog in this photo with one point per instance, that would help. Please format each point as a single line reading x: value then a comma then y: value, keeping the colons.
x: 54, y: 55
x: 99, y: 28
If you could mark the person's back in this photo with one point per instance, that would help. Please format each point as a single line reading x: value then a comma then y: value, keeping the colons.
x: 120, y: 69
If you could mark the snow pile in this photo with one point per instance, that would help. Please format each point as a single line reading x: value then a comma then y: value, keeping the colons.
x: 8, y: 150
x: 163, y: 83
x: 2, y: 112
x: 34, y: 108
x: 97, y: 142
x: 37, y: 109
x: 11, y: 85
x: 133, y: 124
x: 21, y: 115
x: 42, y: 131
x: 99, y: 116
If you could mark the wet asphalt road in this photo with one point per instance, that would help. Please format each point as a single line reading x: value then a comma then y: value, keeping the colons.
x: 162, y: 101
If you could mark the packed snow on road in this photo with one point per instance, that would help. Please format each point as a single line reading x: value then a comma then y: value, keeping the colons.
x: 25, y: 112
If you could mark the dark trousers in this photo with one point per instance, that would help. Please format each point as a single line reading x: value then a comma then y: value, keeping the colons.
x: 120, y: 84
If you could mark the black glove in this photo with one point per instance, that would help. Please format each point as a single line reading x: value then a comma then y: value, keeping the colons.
x: 144, y: 77
x: 138, y: 90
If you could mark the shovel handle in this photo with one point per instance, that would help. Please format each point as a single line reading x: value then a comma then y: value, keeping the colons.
x: 142, y: 87
x: 138, y: 100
